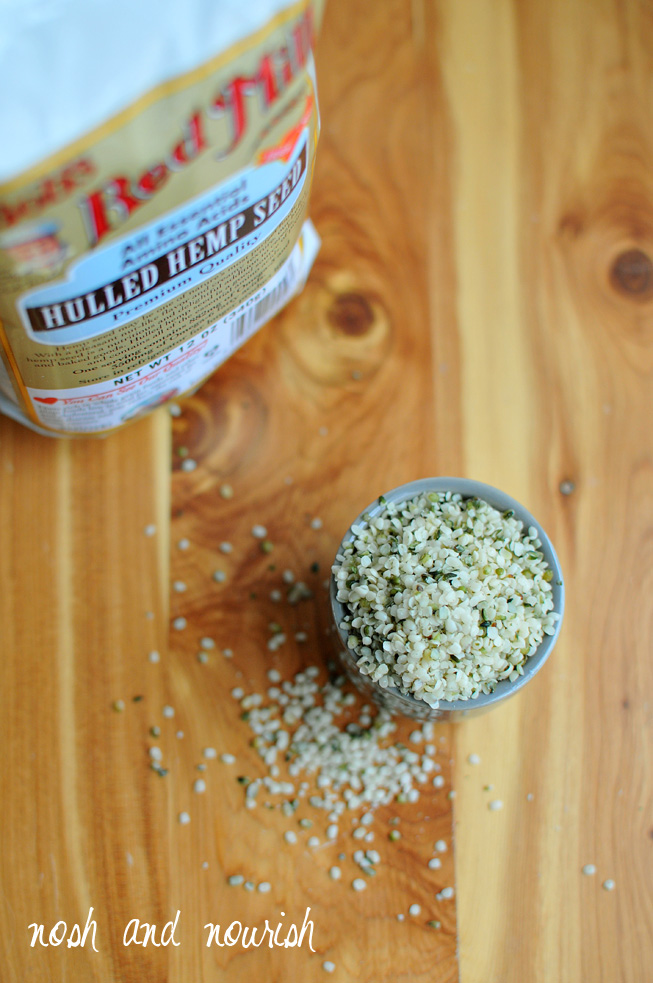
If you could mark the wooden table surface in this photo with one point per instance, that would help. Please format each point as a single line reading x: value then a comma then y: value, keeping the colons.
x: 482, y: 306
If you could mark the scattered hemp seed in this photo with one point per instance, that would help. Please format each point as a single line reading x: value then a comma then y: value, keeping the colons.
x: 316, y: 523
x: 203, y: 657
x: 182, y: 451
x: 156, y: 753
x: 609, y: 885
x: 438, y: 781
x: 199, y: 786
x: 415, y: 910
x: 226, y: 491
x: 589, y: 869
x: 179, y: 735
x: 201, y: 766
x: 445, y: 894
x: 207, y: 643
x: 179, y: 624
x: 401, y: 917
x: 435, y: 863
x: 225, y: 547
x: 155, y: 731
x: 183, y: 818
x: 189, y: 464
x: 150, y: 530
x: 183, y: 544
x: 227, y: 759
x: 274, y: 675
x: 394, y: 834
x: 210, y: 752
x: 168, y: 711
x: 474, y: 759
x: 328, y: 966
x: 451, y: 794
x: 174, y: 409
x: 179, y: 586
x: 238, y: 692
x: 275, y: 596
x: 290, y: 836
x: 434, y: 924
x: 259, y: 532
x: 205, y: 865
x: 335, y: 873
x: 249, y: 885
x: 441, y: 846
x: 154, y: 656
x: 228, y: 653
x: 119, y: 705
x: 566, y: 487
x: 264, y: 887
x: 313, y: 842
x: 235, y: 880
x: 219, y: 576
x: 359, y: 884
x: 495, y: 804
x: 267, y: 546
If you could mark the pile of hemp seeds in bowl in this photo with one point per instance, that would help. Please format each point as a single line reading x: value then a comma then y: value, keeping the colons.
x: 443, y: 596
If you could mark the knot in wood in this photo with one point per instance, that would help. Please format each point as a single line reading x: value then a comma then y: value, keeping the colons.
x: 351, y: 314
x: 632, y: 273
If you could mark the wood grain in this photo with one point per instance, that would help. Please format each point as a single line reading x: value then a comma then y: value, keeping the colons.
x: 549, y: 112
x: 314, y: 418
x: 482, y: 305
x: 84, y: 599
x: 323, y: 396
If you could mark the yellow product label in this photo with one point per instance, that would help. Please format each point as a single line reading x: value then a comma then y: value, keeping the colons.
x: 135, y: 261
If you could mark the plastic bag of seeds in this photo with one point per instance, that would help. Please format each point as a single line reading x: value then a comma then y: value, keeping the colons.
x: 154, y: 181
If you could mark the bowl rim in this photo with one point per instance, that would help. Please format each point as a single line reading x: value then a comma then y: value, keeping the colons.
x: 468, y: 488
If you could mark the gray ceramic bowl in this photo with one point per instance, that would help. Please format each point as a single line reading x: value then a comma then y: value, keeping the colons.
x: 398, y: 703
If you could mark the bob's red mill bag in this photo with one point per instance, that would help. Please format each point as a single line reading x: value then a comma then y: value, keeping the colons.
x: 155, y: 170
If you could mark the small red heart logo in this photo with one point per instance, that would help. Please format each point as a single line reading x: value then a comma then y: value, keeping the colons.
x: 46, y: 399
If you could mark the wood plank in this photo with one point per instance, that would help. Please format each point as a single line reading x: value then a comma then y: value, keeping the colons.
x: 84, y: 599
x: 314, y: 418
x: 550, y: 116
